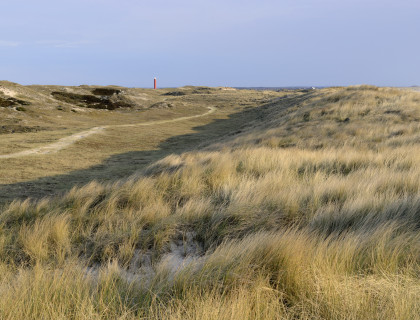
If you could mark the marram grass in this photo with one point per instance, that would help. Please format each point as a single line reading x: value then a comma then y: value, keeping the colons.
x: 313, y: 212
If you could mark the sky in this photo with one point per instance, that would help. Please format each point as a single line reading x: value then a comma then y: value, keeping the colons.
x: 214, y: 43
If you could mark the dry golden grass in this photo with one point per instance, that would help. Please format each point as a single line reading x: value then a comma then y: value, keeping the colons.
x: 116, y: 151
x: 312, y: 212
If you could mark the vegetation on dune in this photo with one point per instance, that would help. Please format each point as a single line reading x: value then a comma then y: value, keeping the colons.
x: 107, y: 100
x: 9, y: 102
x: 311, y: 212
x: 117, y: 151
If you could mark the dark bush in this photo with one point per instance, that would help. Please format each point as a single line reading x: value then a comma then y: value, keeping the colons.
x: 105, y: 91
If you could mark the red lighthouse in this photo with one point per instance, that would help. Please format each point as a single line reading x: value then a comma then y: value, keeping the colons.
x: 154, y: 84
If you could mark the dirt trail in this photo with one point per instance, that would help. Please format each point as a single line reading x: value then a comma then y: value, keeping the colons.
x: 67, y: 141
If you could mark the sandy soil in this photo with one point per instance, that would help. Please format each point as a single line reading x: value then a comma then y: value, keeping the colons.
x: 8, y: 92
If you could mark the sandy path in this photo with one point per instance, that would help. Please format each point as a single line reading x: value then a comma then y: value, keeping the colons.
x: 67, y: 141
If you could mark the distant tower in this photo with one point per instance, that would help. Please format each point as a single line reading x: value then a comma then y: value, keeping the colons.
x: 155, y: 86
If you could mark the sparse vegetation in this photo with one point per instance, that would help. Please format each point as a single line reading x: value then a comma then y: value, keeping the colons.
x: 9, y: 102
x: 309, y: 210
x: 105, y: 91
x: 92, y: 101
x: 19, y: 129
x: 22, y: 109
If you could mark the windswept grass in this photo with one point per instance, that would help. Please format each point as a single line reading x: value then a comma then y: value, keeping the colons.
x: 310, y: 213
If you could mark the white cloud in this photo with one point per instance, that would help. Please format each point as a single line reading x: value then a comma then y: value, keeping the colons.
x: 9, y: 43
x: 62, y: 43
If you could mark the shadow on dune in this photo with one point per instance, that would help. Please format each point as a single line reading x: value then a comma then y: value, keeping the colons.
x: 123, y: 165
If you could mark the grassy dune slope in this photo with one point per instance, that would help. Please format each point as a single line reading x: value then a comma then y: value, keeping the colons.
x: 310, y: 212
x: 119, y: 148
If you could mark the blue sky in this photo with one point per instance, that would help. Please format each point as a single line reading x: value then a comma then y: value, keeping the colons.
x: 215, y: 43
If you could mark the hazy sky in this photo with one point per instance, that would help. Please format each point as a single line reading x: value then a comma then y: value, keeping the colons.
x: 213, y: 42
